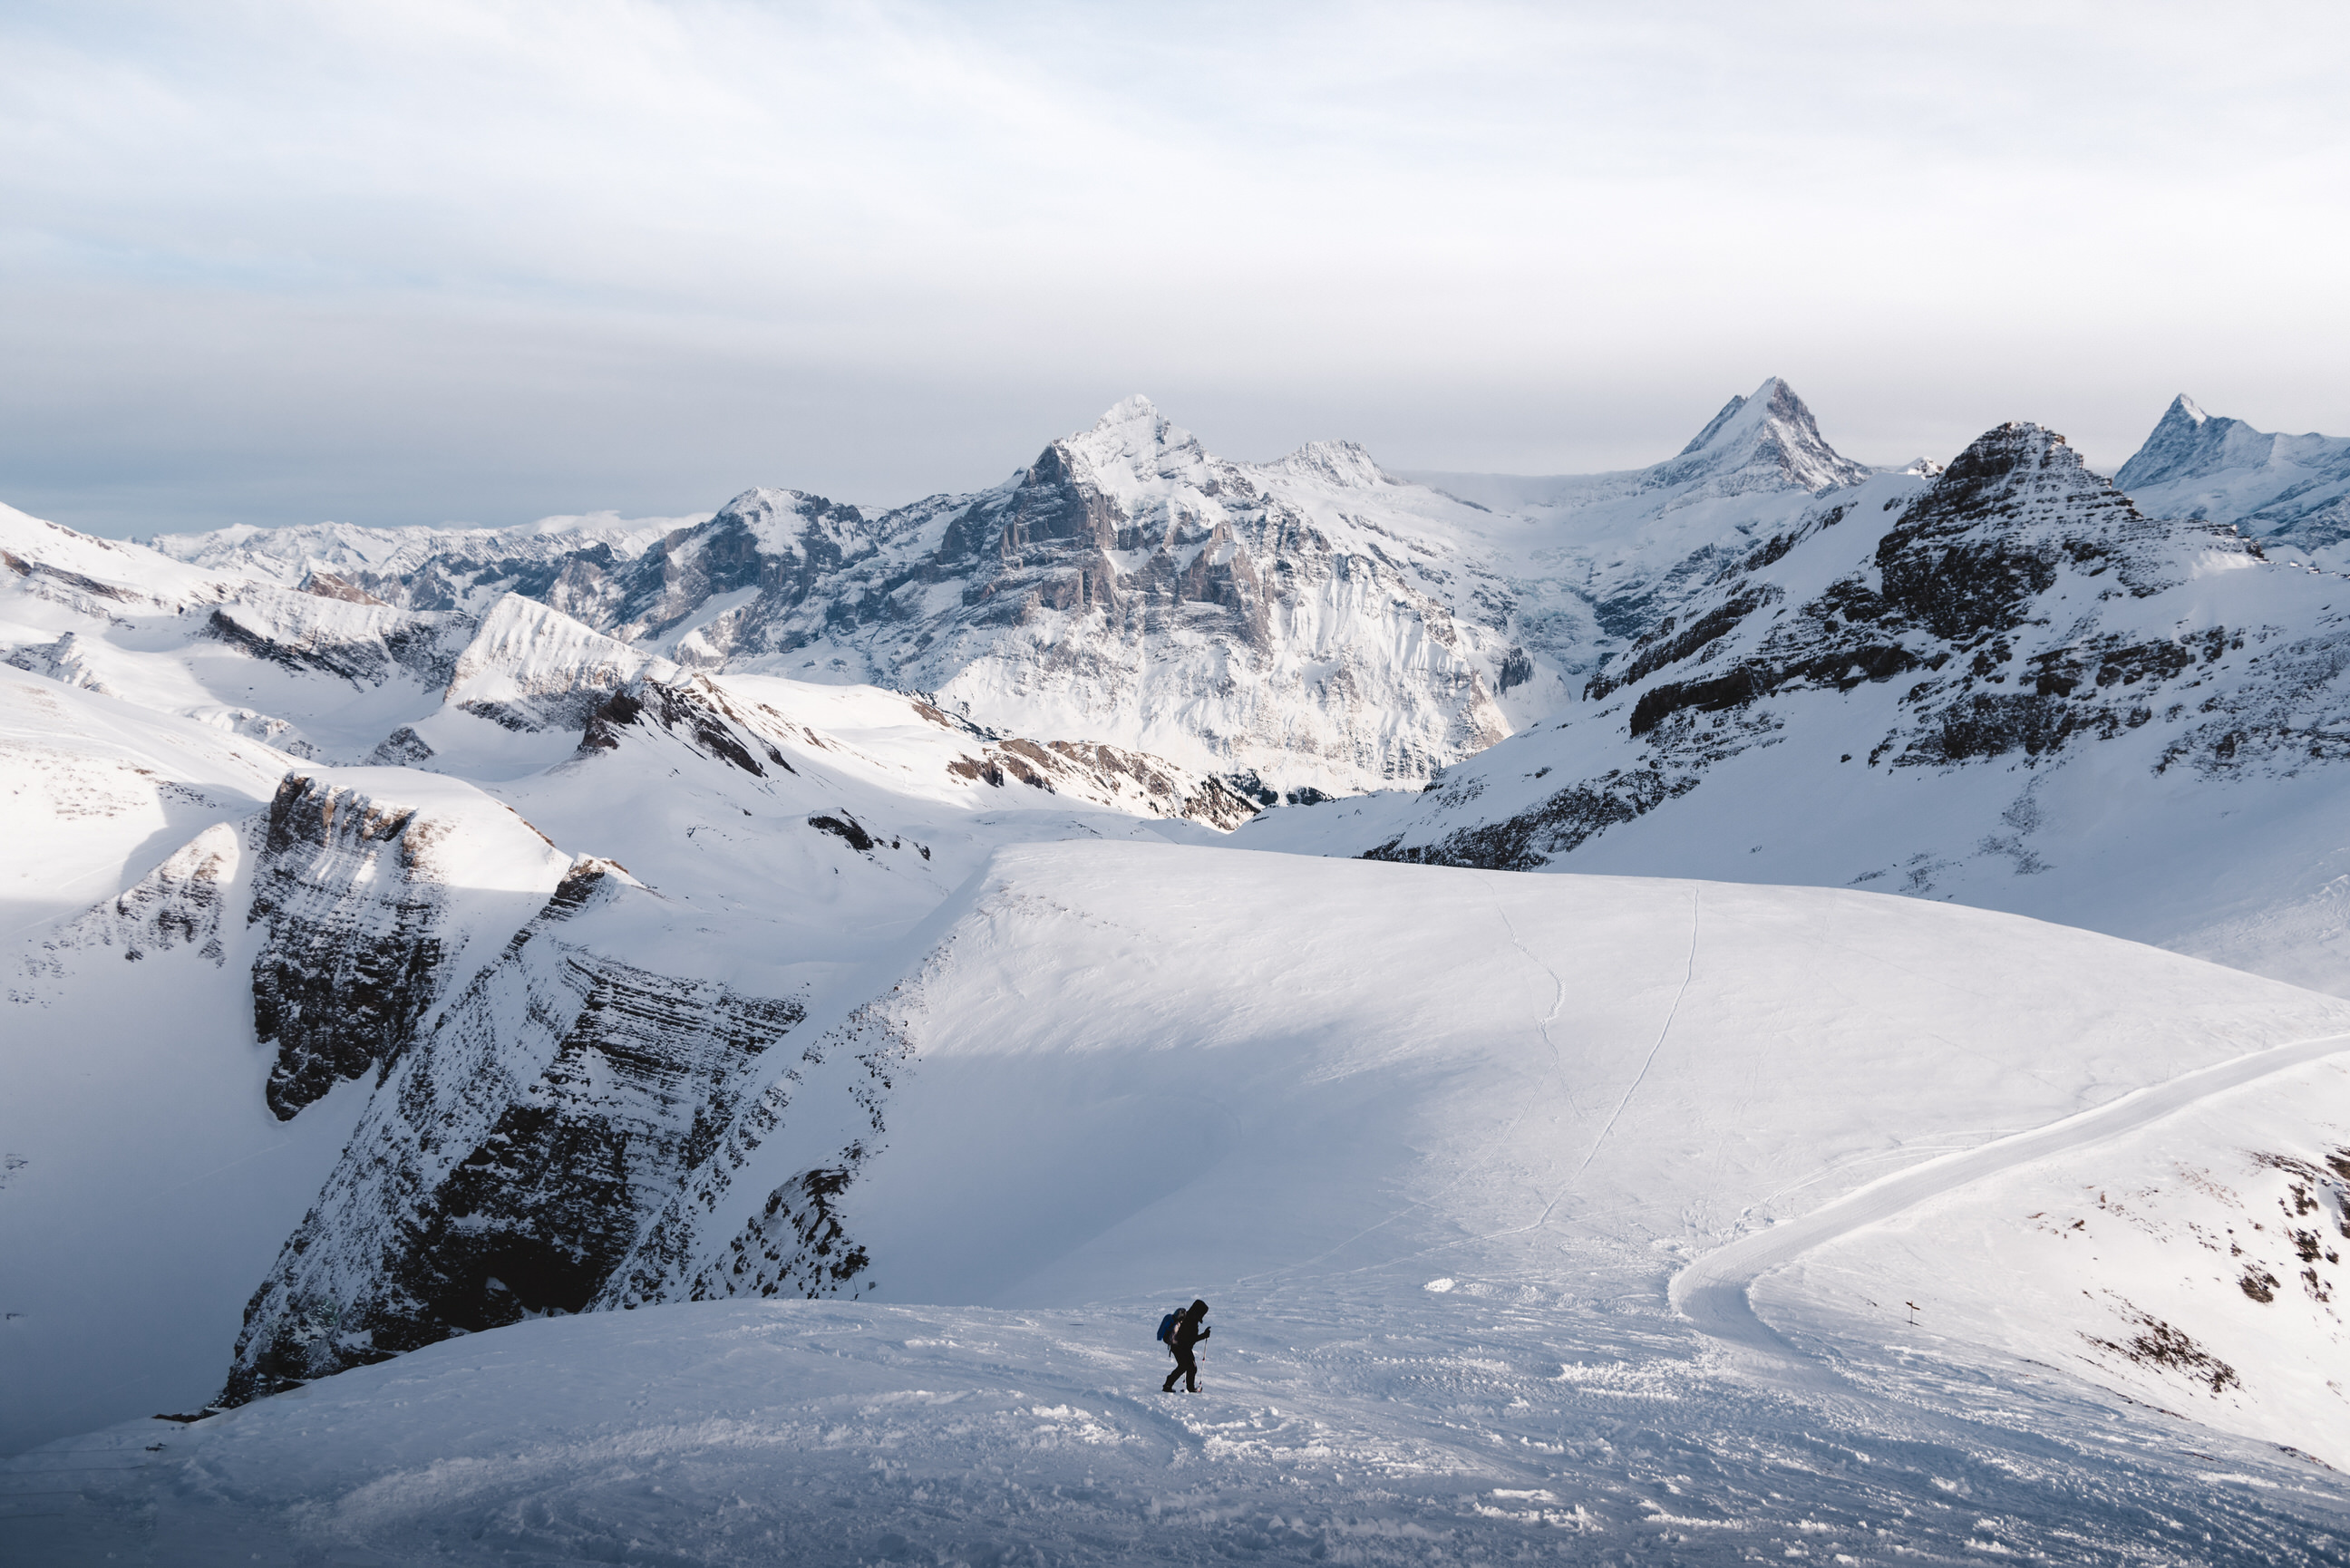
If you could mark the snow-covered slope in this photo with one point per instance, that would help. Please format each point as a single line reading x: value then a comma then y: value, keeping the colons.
x: 2013, y: 688
x: 2193, y: 1263
x: 405, y: 961
x: 1626, y: 540
x: 98, y: 790
x: 1432, y: 1142
x: 2290, y: 491
x: 1491, y: 1050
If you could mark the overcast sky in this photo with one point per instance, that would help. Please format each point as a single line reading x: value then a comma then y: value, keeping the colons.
x: 425, y: 261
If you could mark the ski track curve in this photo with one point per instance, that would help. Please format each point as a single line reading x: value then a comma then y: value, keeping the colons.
x: 1716, y: 1292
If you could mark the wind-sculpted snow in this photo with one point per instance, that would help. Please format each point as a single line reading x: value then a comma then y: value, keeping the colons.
x: 1999, y: 688
x: 508, y: 1161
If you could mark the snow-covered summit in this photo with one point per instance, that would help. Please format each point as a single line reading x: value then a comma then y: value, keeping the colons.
x: 1313, y: 623
x: 2293, y: 490
x: 1340, y: 464
x: 1767, y: 439
x: 1758, y: 443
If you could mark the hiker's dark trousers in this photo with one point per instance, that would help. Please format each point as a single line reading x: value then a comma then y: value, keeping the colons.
x: 1187, y: 1369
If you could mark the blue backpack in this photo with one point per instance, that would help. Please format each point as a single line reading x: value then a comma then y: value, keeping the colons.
x: 1167, y: 1329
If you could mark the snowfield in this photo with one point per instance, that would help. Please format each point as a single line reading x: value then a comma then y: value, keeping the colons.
x: 1488, y: 1423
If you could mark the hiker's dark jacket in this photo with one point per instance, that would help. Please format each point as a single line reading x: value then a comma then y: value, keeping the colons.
x: 1188, y: 1332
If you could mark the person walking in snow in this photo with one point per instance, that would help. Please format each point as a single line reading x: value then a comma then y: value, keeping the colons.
x: 1190, y: 1330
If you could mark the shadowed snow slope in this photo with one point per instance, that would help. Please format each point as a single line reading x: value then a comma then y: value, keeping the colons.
x: 1449, y: 1071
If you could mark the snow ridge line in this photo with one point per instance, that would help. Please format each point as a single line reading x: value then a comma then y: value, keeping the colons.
x: 1650, y: 1060
x: 1715, y: 1292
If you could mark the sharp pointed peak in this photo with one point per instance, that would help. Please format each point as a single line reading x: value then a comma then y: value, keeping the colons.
x: 1772, y: 427
x: 2183, y: 407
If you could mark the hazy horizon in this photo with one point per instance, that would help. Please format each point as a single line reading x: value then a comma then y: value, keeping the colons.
x: 484, y: 264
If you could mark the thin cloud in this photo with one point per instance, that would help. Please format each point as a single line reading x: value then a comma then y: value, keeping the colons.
x: 434, y: 260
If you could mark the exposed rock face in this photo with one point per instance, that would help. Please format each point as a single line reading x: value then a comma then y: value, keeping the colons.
x: 365, y: 644
x: 509, y: 1162
x: 533, y: 668
x: 1124, y: 584
x: 1315, y: 623
x: 368, y: 926
x: 180, y: 904
x: 823, y: 1118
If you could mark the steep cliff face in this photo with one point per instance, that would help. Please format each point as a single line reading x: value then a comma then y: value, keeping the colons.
x: 380, y: 891
x: 510, y: 1160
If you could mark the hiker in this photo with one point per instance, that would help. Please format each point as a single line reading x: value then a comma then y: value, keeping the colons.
x: 1188, y: 1330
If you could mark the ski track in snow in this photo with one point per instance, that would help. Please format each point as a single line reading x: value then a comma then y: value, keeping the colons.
x: 1557, y: 1003
x: 1649, y: 1060
x: 1715, y: 1292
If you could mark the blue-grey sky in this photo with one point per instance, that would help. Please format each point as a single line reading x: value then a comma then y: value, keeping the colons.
x: 431, y: 261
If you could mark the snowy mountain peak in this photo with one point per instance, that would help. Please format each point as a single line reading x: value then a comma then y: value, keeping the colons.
x: 1341, y: 464
x: 782, y: 522
x: 1127, y: 411
x: 2293, y: 490
x: 2185, y: 442
x: 1767, y: 439
x: 1132, y: 443
x: 2022, y: 474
